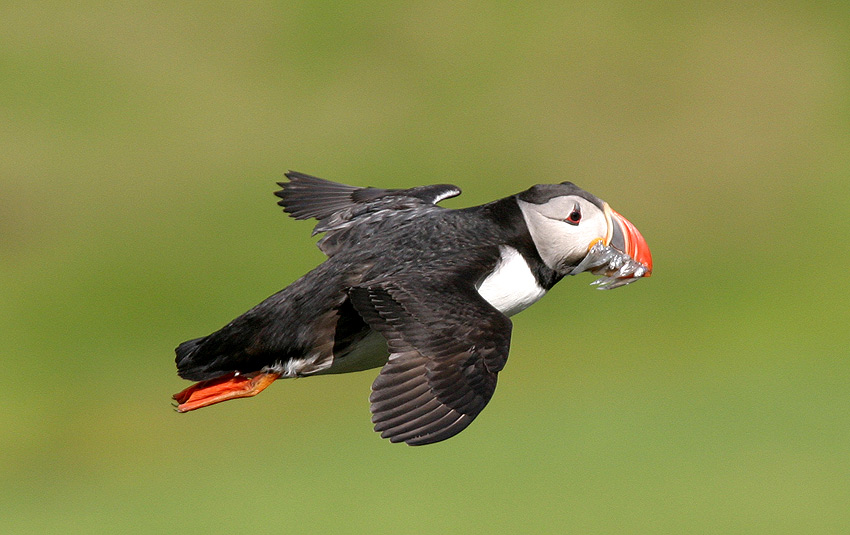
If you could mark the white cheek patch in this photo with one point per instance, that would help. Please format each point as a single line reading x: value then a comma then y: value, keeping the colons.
x: 560, y: 244
x: 512, y: 287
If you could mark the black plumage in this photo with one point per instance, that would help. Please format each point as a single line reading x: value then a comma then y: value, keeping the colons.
x: 401, y: 272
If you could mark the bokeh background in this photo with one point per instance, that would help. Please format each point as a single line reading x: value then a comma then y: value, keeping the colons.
x: 139, y: 147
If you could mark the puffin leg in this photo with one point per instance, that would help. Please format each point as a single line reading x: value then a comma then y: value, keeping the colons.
x: 230, y: 386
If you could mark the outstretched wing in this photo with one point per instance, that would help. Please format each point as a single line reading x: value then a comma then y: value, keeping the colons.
x: 306, y: 197
x: 447, y: 346
x: 338, y: 206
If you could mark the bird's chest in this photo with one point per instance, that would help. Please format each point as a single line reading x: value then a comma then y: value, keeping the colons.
x: 511, y: 287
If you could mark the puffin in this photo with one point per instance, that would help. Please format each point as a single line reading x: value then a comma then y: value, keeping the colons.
x: 420, y: 291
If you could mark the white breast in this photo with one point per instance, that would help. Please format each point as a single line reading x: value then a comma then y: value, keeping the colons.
x: 511, y: 287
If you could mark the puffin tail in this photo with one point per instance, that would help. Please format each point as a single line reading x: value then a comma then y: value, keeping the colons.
x: 230, y: 386
x: 185, y: 352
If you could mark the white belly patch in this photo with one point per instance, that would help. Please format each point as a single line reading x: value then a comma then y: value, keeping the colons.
x: 512, y: 287
x: 371, y: 352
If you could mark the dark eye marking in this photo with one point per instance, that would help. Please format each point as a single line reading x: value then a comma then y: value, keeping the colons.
x: 575, y: 216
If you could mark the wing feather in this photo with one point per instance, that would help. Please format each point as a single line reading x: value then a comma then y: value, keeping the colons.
x: 337, y: 207
x: 447, y: 346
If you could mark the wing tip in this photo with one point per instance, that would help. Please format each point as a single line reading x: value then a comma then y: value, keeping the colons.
x: 310, y: 197
x: 431, y: 432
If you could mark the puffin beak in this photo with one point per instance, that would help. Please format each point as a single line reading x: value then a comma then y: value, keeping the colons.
x: 620, y: 258
x: 627, y: 239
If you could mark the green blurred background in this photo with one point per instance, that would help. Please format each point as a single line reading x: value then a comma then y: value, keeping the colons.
x: 139, y: 146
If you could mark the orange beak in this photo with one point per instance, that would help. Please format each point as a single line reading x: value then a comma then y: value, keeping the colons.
x: 626, y: 238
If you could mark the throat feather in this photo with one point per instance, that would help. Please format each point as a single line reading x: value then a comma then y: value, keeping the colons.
x: 511, y: 287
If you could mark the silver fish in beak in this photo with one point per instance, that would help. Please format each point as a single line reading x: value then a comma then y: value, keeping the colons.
x: 621, y: 258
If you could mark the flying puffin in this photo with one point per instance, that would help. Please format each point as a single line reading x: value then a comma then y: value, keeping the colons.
x: 421, y: 291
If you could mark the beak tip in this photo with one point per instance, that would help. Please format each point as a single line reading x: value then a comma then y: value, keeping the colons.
x: 635, y: 246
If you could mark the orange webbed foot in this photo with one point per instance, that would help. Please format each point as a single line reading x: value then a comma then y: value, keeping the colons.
x: 226, y: 387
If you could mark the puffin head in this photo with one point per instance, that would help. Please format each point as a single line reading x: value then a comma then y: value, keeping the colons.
x: 575, y: 231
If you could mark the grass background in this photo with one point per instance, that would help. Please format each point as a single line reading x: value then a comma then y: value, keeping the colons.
x: 139, y: 146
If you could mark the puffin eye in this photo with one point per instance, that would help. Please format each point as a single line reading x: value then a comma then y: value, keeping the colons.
x: 575, y: 216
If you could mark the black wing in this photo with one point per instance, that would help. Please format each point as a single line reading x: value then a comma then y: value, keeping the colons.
x: 338, y: 206
x: 306, y: 197
x: 447, y: 346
